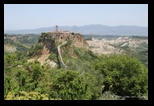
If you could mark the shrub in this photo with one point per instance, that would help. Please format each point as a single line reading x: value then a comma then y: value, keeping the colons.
x: 110, y: 96
x: 22, y: 95
x: 123, y: 75
x: 53, y: 57
x: 70, y: 85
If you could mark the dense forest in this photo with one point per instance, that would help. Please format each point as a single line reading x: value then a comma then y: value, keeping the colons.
x: 86, y: 77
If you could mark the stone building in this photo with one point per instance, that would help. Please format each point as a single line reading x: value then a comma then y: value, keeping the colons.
x: 49, y: 38
x: 64, y: 35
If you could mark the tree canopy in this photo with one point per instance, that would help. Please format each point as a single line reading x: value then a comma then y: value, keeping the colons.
x: 124, y: 75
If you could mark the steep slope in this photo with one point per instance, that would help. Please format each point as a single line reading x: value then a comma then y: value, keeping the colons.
x: 11, y: 45
x: 9, y: 48
x: 134, y: 46
x: 44, y: 56
x: 49, y: 50
x: 19, y: 43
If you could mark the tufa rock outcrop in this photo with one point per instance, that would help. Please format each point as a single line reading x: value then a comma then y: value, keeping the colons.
x: 50, y: 38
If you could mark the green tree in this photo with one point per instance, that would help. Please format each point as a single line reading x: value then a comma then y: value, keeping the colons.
x: 6, y: 86
x: 22, y: 95
x: 71, y: 85
x: 9, y: 60
x: 123, y: 75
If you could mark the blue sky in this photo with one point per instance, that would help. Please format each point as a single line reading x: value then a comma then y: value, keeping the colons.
x: 31, y: 16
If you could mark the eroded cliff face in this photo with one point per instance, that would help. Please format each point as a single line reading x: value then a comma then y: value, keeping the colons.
x: 50, y: 45
x: 118, y: 45
x: 50, y: 41
x: 53, y: 39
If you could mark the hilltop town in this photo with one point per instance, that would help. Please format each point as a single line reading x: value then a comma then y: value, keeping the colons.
x: 50, y: 44
x: 64, y: 35
x: 62, y: 61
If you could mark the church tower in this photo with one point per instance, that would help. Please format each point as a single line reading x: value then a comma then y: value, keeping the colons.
x: 56, y: 28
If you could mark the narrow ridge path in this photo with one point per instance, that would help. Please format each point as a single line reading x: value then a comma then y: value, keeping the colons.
x: 59, y: 53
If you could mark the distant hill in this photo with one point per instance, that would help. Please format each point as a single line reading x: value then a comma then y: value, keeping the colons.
x: 89, y: 29
x: 19, y: 42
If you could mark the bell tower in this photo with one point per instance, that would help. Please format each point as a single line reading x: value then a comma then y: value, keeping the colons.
x: 56, y: 28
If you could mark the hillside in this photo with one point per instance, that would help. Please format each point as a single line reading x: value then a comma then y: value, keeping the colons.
x: 134, y: 46
x: 13, y: 43
x: 51, y: 47
x: 90, y: 29
x: 62, y: 65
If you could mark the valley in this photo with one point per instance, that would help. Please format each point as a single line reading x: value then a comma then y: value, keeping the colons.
x: 137, y: 46
x: 76, y: 52
x: 63, y: 65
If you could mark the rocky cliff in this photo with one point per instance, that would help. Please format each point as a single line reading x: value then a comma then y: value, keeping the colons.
x: 50, y: 41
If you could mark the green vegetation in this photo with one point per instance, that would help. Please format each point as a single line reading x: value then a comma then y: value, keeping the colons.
x: 22, y: 95
x: 35, y: 50
x: 21, y: 42
x: 110, y: 96
x: 87, y: 76
x: 53, y: 56
x: 123, y: 75
x: 139, y: 52
x: 70, y: 85
x: 68, y: 44
x: 19, y: 46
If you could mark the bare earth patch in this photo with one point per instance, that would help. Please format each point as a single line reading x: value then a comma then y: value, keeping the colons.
x: 105, y: 46
x: 44, y: 58
x: 9, y: 48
